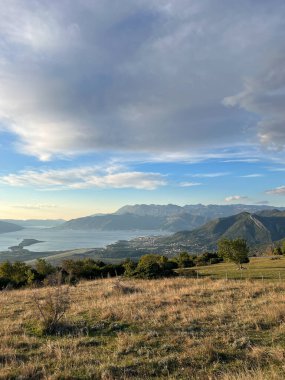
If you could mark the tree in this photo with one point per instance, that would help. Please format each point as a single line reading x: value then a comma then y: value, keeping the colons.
x: 44, y: 268
x: 184, y: 260
x: 154, y: 266
x: 277, y: 250
x: 16, y: 274
x: 235, y: 251
x: 283, y: 247
x: 148, y: 266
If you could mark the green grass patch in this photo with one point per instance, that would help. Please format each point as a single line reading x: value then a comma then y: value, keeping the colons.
x: 259, y: 268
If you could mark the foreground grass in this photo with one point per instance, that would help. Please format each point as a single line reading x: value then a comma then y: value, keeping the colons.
x: 133, y: 329
x: 259, y: 268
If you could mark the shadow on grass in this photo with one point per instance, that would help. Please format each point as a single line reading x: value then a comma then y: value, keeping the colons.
x: 76, y: 329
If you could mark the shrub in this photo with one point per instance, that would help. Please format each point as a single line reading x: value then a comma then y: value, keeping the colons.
x: 52, y: 307
x: 153, y: 266
x: 185, y: 260
x: 16, y: 274
x: 208, y: 258
x: 129, y: 267
x: 44, y: 268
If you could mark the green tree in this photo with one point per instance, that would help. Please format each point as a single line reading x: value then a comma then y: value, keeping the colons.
x: 235, y: 251
x: 154, y: 266
x: 16, y: 274
x: 129, y: 267
x: 283, y: 247
x: 44, y: 268
x: 148, y: 266
x: 278, y: 250
x: 184, y: 260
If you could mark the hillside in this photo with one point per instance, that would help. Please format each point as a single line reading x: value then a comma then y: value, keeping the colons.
x: 177, y: 328
x: 256, y: 229
x: 9, y: 227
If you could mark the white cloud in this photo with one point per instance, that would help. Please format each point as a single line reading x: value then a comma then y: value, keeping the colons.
x: 210, y: 175
x: 40, y: 206
x: 84, y: 177
x: 253, y: 175
x: 143, y: 76
x: 189, y: 184
x: 277, y: 191
x: 247, y: 160
x: 276, y: 169
x: 235, y: 198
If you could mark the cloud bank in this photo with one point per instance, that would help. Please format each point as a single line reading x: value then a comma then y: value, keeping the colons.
x: 145, y: 76
x: 82, y: 178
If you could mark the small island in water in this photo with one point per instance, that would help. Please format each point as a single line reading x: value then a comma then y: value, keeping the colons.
x: 24, y: 243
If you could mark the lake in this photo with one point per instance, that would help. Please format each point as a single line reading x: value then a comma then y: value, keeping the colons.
x: 60, y: 240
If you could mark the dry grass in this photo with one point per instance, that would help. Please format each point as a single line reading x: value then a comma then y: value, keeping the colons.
x: 136, y: 329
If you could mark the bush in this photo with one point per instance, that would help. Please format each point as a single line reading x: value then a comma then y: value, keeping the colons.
x: 153, y: 266
x: 52, y: 307
x: 44, y: 268
x: 208, y: 258
x: 16, y: 274
x: 129, y: 267
x: 185, y: 260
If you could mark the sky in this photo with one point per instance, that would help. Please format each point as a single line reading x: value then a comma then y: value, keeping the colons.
x: 114, y: 102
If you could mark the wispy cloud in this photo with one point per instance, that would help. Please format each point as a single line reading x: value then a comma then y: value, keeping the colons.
x: 235, y: 198
x: 276, y: 169
x: 277, y: 191
x: 84, y: 177
x: 36, y: 206
x: 189, y: 184
x: 210, y: 175
x: 246, y: 160
x: 253, y: 175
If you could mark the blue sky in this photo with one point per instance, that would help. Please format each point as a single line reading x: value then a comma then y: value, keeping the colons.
x: 106, y: 103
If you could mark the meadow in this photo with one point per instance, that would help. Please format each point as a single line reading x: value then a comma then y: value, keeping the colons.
x: 176, y: 328
x: 259, y: 268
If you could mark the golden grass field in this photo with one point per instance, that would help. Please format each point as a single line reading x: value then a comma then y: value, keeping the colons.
x: 179, y: 328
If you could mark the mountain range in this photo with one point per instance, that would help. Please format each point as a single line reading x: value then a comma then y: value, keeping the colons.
x: 35, y: 223
x: 170, y: 217
x: 259, y: 228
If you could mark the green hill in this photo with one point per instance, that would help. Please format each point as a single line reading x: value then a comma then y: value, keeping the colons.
x: 255, y: 228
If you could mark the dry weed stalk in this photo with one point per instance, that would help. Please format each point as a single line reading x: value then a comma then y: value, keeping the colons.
x: 53, y: 305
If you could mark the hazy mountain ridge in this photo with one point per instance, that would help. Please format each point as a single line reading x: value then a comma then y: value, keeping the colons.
x: 112, y: 222
x: 44, y: 223
x: 170, y: 217
x: 9, y: 227
x: 211, y: 211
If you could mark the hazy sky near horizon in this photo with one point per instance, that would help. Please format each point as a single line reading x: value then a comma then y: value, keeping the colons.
x: 106, y: 103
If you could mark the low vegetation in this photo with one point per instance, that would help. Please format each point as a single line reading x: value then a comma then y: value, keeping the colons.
x: 259, y: 268
x: 171, y: 328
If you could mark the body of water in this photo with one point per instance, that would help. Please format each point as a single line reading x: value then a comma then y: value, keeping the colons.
x: 60, y: 240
